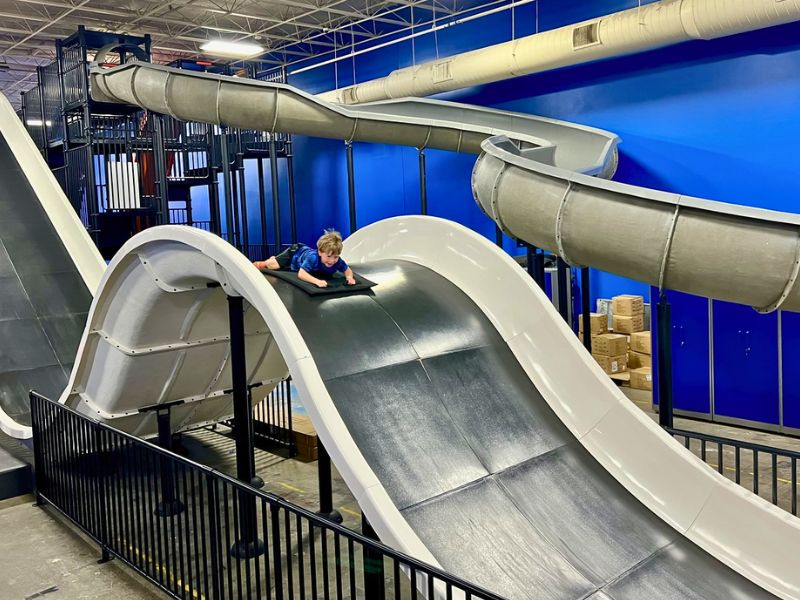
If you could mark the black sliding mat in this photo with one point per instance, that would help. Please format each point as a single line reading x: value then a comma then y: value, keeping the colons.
x: 336, y: 284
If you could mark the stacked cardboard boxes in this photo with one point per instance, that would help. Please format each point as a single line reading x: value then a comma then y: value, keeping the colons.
x: 628, y: 314
x: 305, y: 437
x: 640, y: 360
x: 610, y: 350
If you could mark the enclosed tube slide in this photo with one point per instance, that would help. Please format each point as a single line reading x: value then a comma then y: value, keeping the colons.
x: 474, y: 430
x: 541, y: 180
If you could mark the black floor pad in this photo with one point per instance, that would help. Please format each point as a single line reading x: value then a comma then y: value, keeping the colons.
x: 336, y: 284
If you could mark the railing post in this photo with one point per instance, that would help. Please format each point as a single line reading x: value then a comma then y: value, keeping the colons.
x: 326, y: 510
x: 262, y: 209
x: 664, y: 325
x: 38, y: 448
x: 100, y: 478
x: 214, y: 536
x: 373, y: 565
x: 248, y: 545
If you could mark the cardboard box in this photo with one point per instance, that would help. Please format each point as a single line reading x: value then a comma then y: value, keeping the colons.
x: 637, y: 360
x: 609, y: 344
x: 640, y: 342
x: 627, y: 305
x: 612, y: 364
x: 628, y: 324
x: 642, y: 378
x: 305, y: 437
x: 598, y: 321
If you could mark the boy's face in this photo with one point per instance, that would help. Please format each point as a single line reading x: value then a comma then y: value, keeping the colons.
x: 328, y: 259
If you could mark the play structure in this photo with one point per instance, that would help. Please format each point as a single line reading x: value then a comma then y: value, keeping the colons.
x: 472, y: 427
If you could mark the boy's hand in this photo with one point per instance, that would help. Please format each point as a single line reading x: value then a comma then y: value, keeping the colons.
x: 321, y: 283
x: 351, y: 281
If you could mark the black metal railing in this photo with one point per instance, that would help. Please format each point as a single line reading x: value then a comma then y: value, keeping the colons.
x: 272, y: 418
x: 197, y: 533
x: 766, y: 471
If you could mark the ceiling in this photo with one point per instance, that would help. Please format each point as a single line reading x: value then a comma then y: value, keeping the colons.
x: 291, y: 30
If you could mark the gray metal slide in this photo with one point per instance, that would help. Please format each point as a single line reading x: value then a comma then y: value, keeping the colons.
x: 497, y: 488
x: 43, y: 299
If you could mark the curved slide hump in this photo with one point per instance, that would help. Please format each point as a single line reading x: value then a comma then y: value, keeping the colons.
x: 474, y: 430
x: 49, y: 269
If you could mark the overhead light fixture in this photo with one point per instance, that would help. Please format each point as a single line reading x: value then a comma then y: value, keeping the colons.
x: 233, y: 49
x: 37, y: 123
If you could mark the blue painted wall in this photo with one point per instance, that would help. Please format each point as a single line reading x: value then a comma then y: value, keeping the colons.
x: 716, y: 119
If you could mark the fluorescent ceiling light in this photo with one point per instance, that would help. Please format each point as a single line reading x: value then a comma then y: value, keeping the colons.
x: 236, y: 49
x: 37, y: 123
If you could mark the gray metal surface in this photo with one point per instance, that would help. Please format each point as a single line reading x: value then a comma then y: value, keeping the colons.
x: 43, y: 300
x: 489, y: 478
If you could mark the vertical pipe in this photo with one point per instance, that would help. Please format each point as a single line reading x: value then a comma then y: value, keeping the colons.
x: 235, y: 237
x: 586, y: 307
x: 292, y: 200
x: 351, y: 186
x: 326, y: 510
x: 423, y: 184
x: 262, y: 209
x: 248, y: 544
x: 276, y: 199
x: 562, y: 271
x: 664, y: 325
x: 159, y: 156
x: 245, y: 233
x: 169, y: 505
x: 226, y: 182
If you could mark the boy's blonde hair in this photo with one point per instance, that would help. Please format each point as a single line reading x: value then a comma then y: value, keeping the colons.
x: 330, y: 242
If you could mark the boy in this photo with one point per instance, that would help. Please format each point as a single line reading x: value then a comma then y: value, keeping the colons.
x: 312, y: 266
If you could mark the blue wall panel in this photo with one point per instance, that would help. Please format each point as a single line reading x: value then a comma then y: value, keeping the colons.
x: 790, y: 336
x: 745, y: 363
x: 691, y: 381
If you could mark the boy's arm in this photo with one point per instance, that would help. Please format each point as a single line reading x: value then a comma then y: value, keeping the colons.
x: 348, y: 275
x: 304, y: 275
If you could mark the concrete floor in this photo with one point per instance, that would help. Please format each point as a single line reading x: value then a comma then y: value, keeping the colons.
x: 45, y: 557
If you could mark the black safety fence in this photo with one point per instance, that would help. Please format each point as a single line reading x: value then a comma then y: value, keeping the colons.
x: 766, y: 471
x: 272, y: 418
x: 197, y: 533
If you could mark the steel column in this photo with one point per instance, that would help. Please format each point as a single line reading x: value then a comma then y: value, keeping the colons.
x: 586, y: 308
x: 423, y: 184
x: 248, y: 544
x: 351, y: 186
x: 276, y: 199
x: 664, y: 325
x: 326, y: 510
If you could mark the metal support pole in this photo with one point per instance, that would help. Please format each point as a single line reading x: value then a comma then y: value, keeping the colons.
x: 226, y: 183
x: 160, y: 168
x: 169, y: 505
x: 538, y: 267
x: 664, y: 325
x: 423, y: 184
x: 244, y: 231
x: 498, y: 236
x: 326, y: 510
x: 351, y: 186
x: 235, y: 238
x: 290, y: 177
x: 562, y: 271
x: 213, y: 202
x: 586, y: 308
x: 373, y: 565
x: 276, y: 199
x: 262, y: 209
x: 248, y: 545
